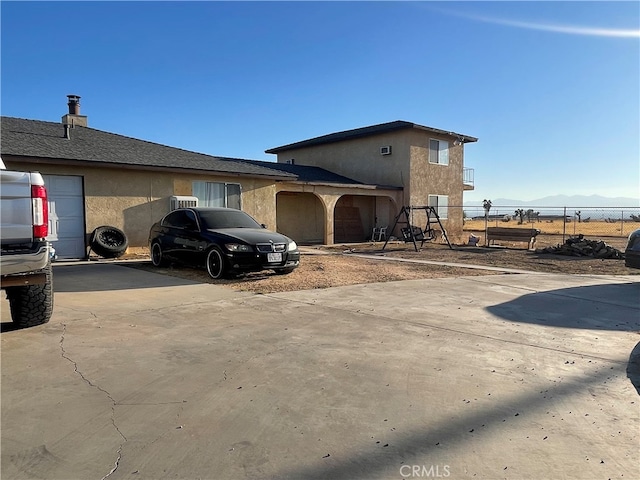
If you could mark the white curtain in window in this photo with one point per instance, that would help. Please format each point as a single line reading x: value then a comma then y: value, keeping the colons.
x: 209, y: 194
x: 443, y: 157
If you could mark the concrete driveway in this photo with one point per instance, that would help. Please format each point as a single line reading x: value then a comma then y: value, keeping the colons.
x: 142, y: 376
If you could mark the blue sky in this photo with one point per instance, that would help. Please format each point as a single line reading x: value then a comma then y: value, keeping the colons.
x: 551, y: 89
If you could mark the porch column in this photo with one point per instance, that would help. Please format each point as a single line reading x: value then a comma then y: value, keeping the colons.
x: 329, y: 205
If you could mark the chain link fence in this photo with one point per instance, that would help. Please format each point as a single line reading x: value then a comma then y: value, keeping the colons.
x: 611, y: 224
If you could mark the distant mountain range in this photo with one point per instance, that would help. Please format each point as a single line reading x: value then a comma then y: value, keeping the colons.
x: 579, y: 201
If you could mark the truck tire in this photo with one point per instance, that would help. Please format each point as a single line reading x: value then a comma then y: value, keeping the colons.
x: 109, y: 242
x: 32, y: 305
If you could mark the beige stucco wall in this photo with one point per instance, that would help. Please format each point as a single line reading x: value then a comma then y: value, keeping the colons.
x: 301, y: 216
x: 435, y: 179
x: 360, y: 159
x: 133, y: 200
x: 385, y: 212
x: 408, y: 167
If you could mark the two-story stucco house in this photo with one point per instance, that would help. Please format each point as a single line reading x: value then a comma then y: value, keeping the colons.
x: 329, y: 189
x: 427, y: 164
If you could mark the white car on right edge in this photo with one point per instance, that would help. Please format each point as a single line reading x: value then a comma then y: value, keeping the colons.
x: 632, y: 252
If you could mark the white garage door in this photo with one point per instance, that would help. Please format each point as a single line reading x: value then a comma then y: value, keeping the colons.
x: 66, y: 215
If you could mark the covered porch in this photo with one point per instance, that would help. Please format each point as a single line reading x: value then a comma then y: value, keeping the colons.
x: 314, y: 213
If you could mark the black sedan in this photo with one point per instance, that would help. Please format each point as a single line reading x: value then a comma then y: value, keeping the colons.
x: 223, y: 240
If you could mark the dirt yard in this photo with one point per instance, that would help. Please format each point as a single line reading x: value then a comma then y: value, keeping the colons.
x: 323, y: 267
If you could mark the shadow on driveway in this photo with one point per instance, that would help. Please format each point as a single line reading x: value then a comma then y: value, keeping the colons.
x: 8, y: 327
x: 595, y: 307
x: 97, y: 277
x: 101, y: 277
x: 461, y: 431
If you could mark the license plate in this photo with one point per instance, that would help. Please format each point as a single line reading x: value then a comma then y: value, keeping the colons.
x: 274, y: 257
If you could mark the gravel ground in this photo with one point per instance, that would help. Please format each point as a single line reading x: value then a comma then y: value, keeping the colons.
x: 323, y: 267
x: 516, y: 258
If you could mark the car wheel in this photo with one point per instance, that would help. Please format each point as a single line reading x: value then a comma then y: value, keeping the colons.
x: 109, y: 242
x: 216, y: 265
x: 32, y: 305
x: 157, y: 257
x: 284, y: 271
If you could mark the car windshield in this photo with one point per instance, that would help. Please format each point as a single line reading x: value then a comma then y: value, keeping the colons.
x: 214, y: 219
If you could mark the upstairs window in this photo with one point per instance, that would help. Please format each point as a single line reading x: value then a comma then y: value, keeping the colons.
x: 439, y: 152
x: 217, y: 194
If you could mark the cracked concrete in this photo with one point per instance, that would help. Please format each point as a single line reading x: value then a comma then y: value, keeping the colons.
x: 142, y: 376
x: 108, y: 395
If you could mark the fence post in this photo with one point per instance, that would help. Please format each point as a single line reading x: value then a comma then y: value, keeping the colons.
x: 564, y: 224
x: 622, y: 223
x: 486, y: 225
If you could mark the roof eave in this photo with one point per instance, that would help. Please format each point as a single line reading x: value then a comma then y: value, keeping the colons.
x: 126, y: 166
x: 368, y: 132
x: 363, y: 186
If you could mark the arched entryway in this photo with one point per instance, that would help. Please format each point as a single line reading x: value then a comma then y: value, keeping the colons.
x: 301, y: 217
x: 355, y: 216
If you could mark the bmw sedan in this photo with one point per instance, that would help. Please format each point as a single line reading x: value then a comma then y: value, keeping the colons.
x: 223, y: 240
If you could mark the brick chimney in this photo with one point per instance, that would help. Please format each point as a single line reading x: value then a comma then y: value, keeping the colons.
x: 73, y: 118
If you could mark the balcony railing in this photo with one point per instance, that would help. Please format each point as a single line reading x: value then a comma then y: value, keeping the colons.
x: 467, y: 178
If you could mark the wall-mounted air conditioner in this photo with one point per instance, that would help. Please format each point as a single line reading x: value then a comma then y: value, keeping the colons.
x: 386, y: 150
x: 183, y: 202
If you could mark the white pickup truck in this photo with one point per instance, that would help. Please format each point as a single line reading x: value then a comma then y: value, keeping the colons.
x: 25, y: 256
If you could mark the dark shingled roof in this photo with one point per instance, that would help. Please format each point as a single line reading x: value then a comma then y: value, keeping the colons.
x: 39, y: 139
x: 308, y: 173
x: 367, y: 132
